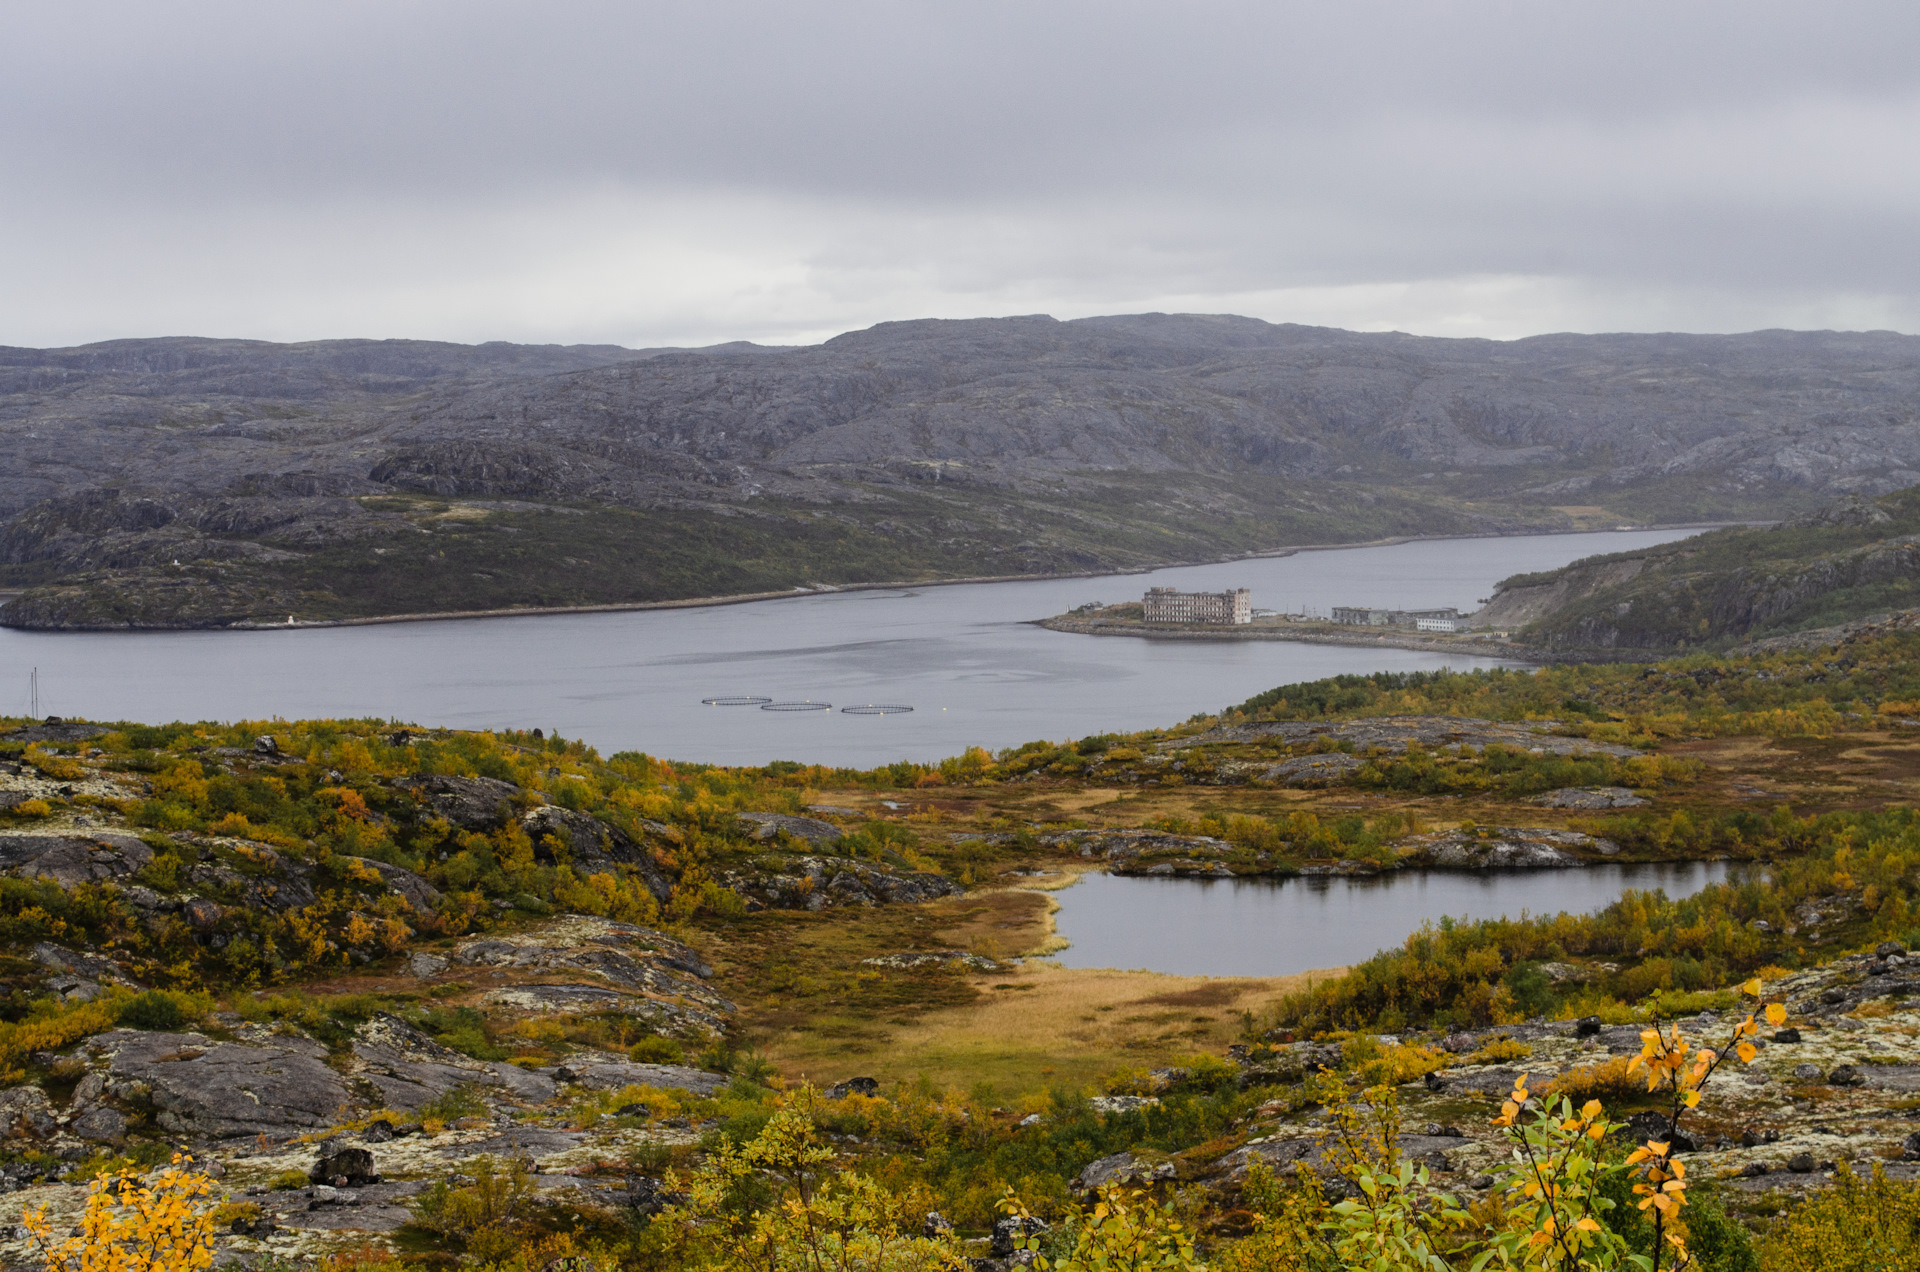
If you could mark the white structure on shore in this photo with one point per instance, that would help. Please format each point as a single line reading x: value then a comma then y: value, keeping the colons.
x: 1167, y: 605
x: 1426, y: 620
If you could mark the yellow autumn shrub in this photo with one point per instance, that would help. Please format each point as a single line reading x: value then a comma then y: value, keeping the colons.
x: 163, y: 1224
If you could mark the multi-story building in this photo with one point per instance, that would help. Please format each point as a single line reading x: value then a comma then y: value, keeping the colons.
x: 1168, y: 605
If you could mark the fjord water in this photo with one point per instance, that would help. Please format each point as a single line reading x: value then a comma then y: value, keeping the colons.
x: 965, y: 657
x: 1257, y: 927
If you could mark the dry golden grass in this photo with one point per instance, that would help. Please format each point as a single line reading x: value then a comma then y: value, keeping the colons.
x: 1085, y: 798
x: 1609, y: 1081
x: 1040, y: 1025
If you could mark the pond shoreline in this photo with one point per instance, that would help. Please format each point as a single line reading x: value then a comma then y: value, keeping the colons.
x: 1185, y: 928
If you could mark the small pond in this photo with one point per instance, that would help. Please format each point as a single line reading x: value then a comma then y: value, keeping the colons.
x: 1259, y: 927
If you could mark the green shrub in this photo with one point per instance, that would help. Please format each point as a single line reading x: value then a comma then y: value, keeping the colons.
x: 656, y: 1050
x: 451, y: 1106
x: 156, y: 1010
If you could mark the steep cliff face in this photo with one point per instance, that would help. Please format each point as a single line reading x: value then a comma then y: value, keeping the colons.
x: 1853, y: 559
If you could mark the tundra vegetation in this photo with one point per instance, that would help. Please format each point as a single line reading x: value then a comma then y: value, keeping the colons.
x: 544, y: 1004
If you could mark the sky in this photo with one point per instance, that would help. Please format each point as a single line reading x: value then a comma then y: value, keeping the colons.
x: 655, y: 174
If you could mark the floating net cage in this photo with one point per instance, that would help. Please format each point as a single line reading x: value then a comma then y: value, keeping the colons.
x: 878, y: 708
x: 736, y: 700
x: 797, y: 706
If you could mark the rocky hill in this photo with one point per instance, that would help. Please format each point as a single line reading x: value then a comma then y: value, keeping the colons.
x: 357, y: 477
x: 1852, y: 560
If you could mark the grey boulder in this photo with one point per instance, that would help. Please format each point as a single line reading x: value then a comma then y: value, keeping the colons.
x: 220, y: 1089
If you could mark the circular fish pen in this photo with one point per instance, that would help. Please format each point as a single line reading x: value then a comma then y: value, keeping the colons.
x: 878, y: 708
x: 797, y: 706
x: 735, y: 700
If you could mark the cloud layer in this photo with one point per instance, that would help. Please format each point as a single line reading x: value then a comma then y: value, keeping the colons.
x: 689, y: 173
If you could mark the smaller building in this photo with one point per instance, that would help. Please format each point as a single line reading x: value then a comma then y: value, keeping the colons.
x: 1425, y: 620
x: 1169, y: 605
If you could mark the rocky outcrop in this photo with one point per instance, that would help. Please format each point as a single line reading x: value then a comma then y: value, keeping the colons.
x: 768, y: 826
x: 821, y: 883
x: 1505, y: 848
x: 471, y: 803
x: 591, y: 846
x: 207, y: 1089
x: 1594, y: 798
x: 932, y: 958
x: 411, y: 1070
x: 1121, y: 1168
x: 608, y: 1074
x: 71, y: 860
x: 54, y: 729
x: 422, y: 896
x: 628, y: 970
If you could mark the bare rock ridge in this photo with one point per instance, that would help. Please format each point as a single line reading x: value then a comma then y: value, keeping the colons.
x: 185, y: 482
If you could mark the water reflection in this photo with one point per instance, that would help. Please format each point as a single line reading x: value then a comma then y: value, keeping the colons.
x: 1257, y: 927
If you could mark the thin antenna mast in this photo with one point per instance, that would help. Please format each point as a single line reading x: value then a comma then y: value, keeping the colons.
x: 33, y: 685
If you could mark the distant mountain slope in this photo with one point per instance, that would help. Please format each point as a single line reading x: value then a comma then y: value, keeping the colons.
x: 301, y: 474
x: 1855, y: 559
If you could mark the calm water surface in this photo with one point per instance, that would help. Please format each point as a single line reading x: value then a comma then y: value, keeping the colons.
x: 1253, y: 927
x: 965, y: 658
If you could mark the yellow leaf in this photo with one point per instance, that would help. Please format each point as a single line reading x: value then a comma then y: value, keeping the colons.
x: 1590, y: 1110
x: 1691, y: 1099
x: 1776, y: 1014
x: 1746, y: 1052
x: 1751, y: 988
x: 1587, y: 1225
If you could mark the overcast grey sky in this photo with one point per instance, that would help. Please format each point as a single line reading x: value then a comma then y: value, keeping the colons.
x: 650, y: 173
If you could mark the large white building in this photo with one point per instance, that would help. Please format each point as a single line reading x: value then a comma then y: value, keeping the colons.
x: 1166, y: 605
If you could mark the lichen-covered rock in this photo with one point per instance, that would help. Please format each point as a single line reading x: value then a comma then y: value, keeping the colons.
x: 212, y: 1089
x: 1505, y: 848
x: 768, y: 826
x: 932, y: 958
x: 410, y: 887
x: 819, y: 883
x: 71, y: 860
x: 26, y: 1113
x: 55, y: 730
x: 1590, y: 797
x: 609, y: 1074
x: 1120, y: 1168
x: 101, y: 1125
x: 1324, y: 769
x: 411, y: 1070
x: 344, y: 1168
x: 471, y: 803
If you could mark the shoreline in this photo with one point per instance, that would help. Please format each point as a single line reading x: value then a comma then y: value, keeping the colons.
x: 1480, y: 647
x: 747, y: 598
